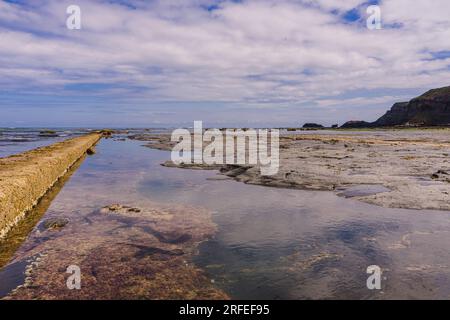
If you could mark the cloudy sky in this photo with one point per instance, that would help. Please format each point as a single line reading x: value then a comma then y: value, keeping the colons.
x: 249, y: 63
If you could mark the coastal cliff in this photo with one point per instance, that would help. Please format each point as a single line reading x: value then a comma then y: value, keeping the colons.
x: 430, y: 109
x: 26, y: 177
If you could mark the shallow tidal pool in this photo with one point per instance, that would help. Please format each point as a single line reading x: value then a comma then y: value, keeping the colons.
x: 269, y: 243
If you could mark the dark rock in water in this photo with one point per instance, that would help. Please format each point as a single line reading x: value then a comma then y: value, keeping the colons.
x: 117, y: 208
x: 146, y: 251
x: 430, y: 109
x: 441, y: 175
x: 55, y: 223
x: 168, y: 237
x: 90, y: 151
x: 312, y: 125
x: 234, y: 170
x: 48, y: 133
x: 356, y: 124
x: 107, y: 133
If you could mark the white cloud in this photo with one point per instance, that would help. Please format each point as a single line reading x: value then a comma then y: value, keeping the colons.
x: 343, y: 5
x: 250, y: 52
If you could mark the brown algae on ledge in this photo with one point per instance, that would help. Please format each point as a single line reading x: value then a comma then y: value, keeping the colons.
x: 123, y: 252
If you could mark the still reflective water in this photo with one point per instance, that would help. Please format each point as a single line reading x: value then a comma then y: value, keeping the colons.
x: 270, y: 243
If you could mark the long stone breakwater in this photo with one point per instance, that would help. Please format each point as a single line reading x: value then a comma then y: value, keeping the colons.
x: 26, y: 177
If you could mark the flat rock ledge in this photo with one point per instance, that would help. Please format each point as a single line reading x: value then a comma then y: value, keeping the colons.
x: 26, y: 177
x: 407, y: 169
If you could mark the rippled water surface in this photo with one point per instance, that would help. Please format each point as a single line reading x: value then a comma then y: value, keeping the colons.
x: 271, y: 243
x: 13, y: 141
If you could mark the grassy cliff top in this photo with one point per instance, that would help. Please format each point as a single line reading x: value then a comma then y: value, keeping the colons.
x: 438, y: 93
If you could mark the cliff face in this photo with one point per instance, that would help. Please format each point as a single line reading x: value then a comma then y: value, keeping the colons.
x: 429, y: 109
x: 398, y: 114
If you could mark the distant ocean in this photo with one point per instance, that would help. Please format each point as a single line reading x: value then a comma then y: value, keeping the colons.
x: 16, y: 140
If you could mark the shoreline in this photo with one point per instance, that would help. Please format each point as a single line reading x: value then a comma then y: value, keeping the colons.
x: 143, y: 248
x: 26, y: 177
x: 415, y: 170
x: 140, y: 249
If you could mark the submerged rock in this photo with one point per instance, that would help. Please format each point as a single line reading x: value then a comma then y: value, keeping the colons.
x: 54, y: 223
x: 125, y: 252
x: 119, y: 209
x: 90, y: 151
x: 48, y: 133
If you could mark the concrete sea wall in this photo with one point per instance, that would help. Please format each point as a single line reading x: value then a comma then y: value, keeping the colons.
x: 26, y: 177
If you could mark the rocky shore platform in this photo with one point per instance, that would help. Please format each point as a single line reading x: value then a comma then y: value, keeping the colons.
x: 404, y: 168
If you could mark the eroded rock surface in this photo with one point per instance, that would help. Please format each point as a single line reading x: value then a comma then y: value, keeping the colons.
x: 410, y: 167
x: 123, y: 252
